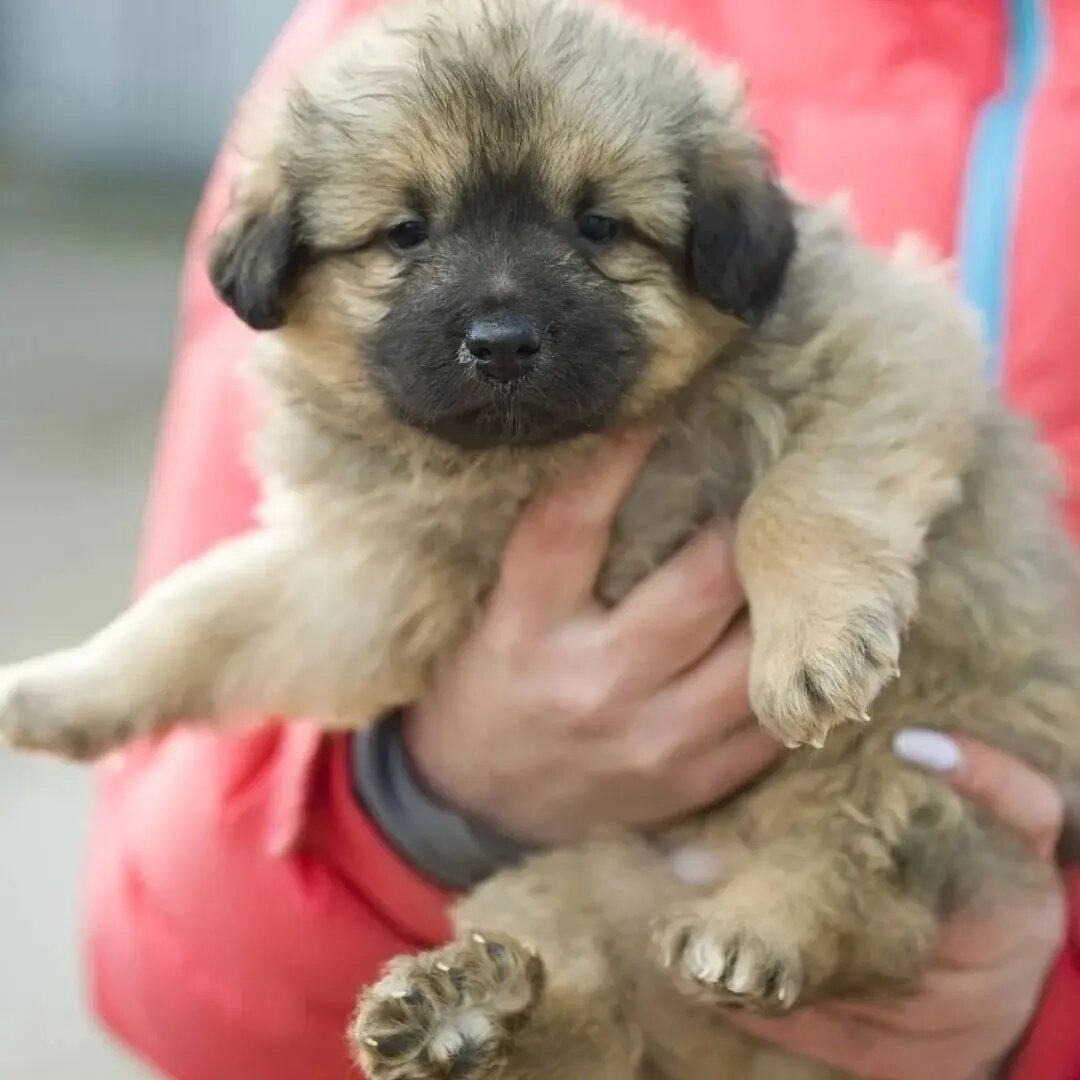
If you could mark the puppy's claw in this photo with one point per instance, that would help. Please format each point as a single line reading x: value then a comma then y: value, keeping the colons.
x: 742, y: 976
x: 786, y: 992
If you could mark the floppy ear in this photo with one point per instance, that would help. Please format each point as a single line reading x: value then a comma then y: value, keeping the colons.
x: 254, y: 262
x: 742, y: 230
x: 741, y: 241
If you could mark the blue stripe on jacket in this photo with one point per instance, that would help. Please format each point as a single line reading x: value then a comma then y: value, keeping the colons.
x: 988, y: 215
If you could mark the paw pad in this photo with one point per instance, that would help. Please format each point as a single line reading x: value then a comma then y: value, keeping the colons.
x: 451, y: 1012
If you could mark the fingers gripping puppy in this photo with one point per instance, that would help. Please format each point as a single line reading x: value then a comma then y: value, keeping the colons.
x: 483, y: 239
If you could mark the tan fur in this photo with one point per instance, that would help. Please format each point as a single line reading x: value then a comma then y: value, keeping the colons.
x: 892, y: 516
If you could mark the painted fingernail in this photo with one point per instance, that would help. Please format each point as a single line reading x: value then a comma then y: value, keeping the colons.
x: 927, y: 749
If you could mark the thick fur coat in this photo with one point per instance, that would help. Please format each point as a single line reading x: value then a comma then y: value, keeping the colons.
x: 485, y: 237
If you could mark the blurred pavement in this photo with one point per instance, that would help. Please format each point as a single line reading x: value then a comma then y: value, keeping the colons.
x: 88, y: 277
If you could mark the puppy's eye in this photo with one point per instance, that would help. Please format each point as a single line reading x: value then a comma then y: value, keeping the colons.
x: 598, y: 229
x: 406, y: 235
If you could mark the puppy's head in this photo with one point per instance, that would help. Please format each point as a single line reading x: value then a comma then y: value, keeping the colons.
x: 506, y: 222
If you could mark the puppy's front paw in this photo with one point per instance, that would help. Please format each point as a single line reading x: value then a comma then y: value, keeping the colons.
x: 452, y: 1012
x: 819, y: 661
x: 48, y: 705
x: 722, y: 957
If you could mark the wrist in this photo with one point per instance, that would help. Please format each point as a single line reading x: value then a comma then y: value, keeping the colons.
x: 454, y: 776
x: 436, y: 762
x: 440, y: 840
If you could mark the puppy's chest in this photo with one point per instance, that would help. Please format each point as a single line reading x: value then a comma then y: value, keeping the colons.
x: 702, y: 470
x: 383, y: 510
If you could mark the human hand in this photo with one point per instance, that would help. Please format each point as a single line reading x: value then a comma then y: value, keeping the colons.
x: 984, y: 984
x: 558, y: 715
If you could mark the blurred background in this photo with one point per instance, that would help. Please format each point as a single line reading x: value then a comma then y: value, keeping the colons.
x: 110, y: 114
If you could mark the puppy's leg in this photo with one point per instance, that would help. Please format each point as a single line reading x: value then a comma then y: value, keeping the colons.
x: 828, y: 546
x: 884, y: 418
x: 782, y: 932
x: 256, y: 624
x: 528, y: 990
x: 848, y: 870
x: 829, y: 603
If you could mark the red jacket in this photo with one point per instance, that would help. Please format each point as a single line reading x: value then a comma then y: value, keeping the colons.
x: 237, y: 896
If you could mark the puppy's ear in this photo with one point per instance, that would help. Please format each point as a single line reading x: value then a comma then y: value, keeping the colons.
x: 256, y: 255
x: 740, y: 243
x: 255, y: 259
x: 742, y: 232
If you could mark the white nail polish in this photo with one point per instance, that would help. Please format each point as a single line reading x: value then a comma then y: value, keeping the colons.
x: 927, y: 749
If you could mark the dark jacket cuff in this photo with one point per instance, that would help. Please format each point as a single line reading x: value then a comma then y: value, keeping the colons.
x: 441, y: 843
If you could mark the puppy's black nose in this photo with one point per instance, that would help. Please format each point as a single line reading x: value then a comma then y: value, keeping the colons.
x: 503, y: 346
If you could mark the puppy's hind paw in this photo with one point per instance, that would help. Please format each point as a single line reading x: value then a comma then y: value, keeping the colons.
x: 726, y: 961
x: 452, y: 1012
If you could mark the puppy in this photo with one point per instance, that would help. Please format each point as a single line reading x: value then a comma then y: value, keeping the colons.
x: 486, y: 237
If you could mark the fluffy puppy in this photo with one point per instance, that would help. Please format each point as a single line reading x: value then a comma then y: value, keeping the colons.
x: 484, y: 237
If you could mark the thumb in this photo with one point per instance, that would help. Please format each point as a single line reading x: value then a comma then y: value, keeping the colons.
x: 1017, y: 794
x: 554, y: 555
